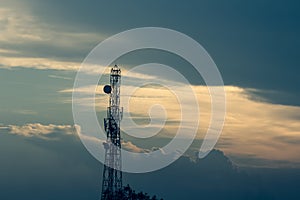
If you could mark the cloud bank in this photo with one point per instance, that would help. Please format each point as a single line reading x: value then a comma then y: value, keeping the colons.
x: 38, y: 130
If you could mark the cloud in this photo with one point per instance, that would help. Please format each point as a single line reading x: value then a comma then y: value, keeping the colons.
x: 27, y: 42
x: 39, y: 130
x: 260, y: 128
x: 253, y: 126
x: 60, y: 77
x: 264, y: 130
x: 38, y: 63
x: 129, y: 146
x: 47, y: 131
x: 40, y: 29
x: 25, y: 112
x: 267, y: 131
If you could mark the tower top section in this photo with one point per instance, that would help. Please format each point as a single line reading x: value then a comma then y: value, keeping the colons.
x: 115, y: 71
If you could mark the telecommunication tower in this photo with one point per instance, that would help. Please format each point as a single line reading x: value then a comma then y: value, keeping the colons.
x: 112, y: 174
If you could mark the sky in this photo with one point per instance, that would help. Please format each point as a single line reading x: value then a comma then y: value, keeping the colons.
x: 255, y: 45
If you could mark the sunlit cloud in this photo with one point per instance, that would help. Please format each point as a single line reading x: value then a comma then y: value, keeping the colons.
x: 38, y: 63
x: 39, y: 130
x: 253, y: 128
x: 261, y: 129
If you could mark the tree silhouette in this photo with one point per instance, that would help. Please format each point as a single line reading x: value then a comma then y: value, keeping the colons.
x: 126, y: 193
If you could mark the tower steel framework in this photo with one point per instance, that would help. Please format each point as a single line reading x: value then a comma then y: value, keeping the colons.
x: 112, y: 174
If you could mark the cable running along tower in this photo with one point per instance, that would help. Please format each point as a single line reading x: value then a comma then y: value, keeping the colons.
x: 112, y: 174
